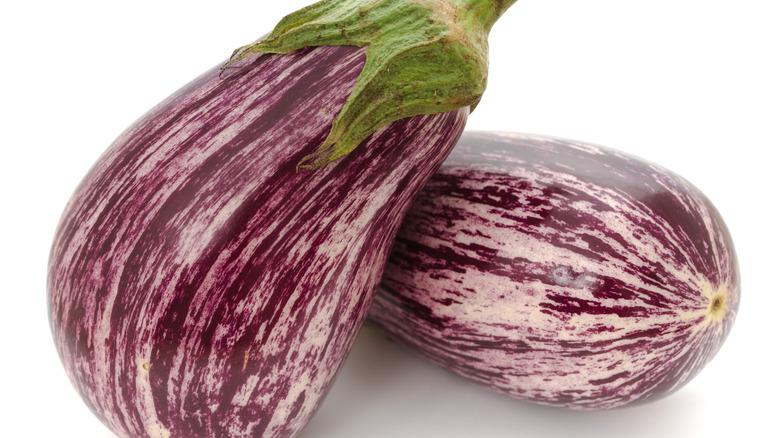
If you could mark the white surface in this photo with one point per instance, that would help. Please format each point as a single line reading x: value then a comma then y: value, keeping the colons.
x: 689, y: 84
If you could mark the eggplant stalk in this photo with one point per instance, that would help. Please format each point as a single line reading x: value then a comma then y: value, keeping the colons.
x: 422, y: 57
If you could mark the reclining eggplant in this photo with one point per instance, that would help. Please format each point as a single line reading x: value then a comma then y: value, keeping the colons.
x: 560, y: 272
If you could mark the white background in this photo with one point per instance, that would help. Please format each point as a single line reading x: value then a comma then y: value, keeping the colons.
x: 689, y: 84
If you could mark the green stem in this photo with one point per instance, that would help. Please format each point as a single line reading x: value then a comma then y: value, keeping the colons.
x: 482, y: 13
x: 422, y: 57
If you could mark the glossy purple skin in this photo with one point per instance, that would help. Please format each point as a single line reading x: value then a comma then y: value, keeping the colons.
x: 198, y: 285
x: 561, y: 273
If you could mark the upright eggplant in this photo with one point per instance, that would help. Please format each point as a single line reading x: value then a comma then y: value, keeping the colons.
x: 560, y: 272
x: 211, y: 271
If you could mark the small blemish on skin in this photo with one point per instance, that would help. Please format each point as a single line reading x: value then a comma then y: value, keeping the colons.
x: 561, y: 276
x: 146, y: 366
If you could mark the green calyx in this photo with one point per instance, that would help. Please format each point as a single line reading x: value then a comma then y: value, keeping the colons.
x: 422, y: 57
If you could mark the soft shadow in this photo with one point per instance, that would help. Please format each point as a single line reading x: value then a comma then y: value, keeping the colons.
x: 385, y: 390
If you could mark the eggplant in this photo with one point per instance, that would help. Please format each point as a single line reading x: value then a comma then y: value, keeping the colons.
x: 210, y: 273
x: 561, y: 273
x: 199, y: 286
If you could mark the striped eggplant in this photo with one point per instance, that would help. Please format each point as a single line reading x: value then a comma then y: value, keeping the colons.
x: 561, y: 273
x: 198, y: 285
x: 210, y: 273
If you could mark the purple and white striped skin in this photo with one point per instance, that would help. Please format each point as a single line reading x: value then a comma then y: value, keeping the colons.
x: 561, y: 273
x: 198, y: 285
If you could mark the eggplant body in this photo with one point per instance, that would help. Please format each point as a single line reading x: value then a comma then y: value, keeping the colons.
x: 200, y: 285
x: 561, y: 273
